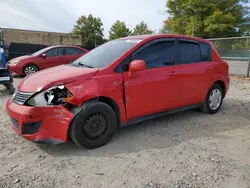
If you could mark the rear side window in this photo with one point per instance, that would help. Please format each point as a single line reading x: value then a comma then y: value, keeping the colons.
x: 55, y: 52
x: 189, y: 52
x: 205, y: 52
x: 72, y: 51
x: 157, y: 55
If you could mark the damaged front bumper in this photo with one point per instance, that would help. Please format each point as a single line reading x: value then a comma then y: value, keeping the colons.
x: 40, y: 124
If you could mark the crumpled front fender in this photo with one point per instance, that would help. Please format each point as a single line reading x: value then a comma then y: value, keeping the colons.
x: 109, y: 87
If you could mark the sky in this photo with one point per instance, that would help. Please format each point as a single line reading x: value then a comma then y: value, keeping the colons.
x: 61, y: 15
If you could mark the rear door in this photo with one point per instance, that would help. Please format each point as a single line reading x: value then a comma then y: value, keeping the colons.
x: 157, y: 88
x: 195, y: 68
x: 71, y: 54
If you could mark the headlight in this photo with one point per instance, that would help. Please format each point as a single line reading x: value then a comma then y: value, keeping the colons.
x: 53, y: 96
x: 14, y: 62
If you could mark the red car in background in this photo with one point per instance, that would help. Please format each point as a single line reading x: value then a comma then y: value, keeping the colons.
x: 45, y: 58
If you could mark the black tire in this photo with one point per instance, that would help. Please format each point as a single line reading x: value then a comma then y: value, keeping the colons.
x: 206, y: 108
x: 30, y: 69
x: 10, y: 88
x: 94, y: 115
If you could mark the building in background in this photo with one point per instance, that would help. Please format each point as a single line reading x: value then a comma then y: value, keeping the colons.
x: 39, y: 37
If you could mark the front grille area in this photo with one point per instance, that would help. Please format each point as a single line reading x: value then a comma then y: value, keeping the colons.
x: 15, y: 123
x: 20, y: 98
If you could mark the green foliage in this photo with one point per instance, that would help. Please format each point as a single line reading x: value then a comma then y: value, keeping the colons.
x: 233, y: 44
x: 245, y: 28
x: 206, y: 18
x: 141, y: 29
x: 118, y: 30
x: 90, y: 28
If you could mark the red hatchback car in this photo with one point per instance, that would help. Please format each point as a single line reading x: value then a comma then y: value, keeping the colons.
x: 45, y: 58
x: 121, y: 82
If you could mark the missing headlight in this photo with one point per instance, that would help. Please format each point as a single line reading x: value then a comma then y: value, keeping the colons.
x: 56, y: 96
x: 52, y: 96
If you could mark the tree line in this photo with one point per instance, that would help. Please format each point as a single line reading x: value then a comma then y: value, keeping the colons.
x: 201, y: 18
x: 91, y: 29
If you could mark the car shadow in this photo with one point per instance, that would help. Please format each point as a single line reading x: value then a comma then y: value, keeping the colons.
x: 164, y: 132
x: 4, y: 92
x: 17, y: 76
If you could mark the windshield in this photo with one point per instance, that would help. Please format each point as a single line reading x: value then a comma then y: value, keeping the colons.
x: 105, y: 54
x: 41, y: 51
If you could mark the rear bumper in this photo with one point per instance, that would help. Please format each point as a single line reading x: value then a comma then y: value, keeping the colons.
x: 40, y: 124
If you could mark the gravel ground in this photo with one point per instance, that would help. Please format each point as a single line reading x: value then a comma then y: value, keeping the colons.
x: 188, y: 149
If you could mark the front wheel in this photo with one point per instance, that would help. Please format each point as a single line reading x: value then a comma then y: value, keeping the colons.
x: 94, y: 126
x: 30, y: 69
x: 213, y: 100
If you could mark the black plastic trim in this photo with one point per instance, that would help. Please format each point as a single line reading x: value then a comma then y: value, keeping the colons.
x: 159, y: 114
x: 31, y: 128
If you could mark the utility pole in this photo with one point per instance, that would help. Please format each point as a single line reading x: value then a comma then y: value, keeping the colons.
x: 2, y: 48
x: 192, y: 20
x: 248, y: 67
x: 95, y: 40
x: 193, y: 29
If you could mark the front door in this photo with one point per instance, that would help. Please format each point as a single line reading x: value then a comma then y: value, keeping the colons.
x: 53, y: 58
x: 157, y: 88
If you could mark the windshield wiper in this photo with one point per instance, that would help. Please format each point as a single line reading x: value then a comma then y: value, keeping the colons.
x: 89, y: 66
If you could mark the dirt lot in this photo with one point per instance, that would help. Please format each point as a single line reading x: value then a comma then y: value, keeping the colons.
x: 189, y: 149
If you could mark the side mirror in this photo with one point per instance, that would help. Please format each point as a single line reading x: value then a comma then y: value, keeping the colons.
x: 137, y: 65
x: 43, y: 55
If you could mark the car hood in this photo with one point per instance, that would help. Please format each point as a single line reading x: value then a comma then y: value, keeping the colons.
x: 54, y: 76
x: 21, y: 58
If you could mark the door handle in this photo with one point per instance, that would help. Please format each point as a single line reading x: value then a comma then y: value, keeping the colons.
x: 173, y: 73
x: 208, y: 68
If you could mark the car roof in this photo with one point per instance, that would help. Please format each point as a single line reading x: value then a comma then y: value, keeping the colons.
x: 154, y: 36
x: 56, y: 46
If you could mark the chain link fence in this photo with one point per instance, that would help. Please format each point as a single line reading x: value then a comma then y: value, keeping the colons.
x: 235, y: 51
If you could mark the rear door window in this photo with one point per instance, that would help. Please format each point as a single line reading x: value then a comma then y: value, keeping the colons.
x: 189, y: 52
x: 55, y: 52
x: 72, y: 51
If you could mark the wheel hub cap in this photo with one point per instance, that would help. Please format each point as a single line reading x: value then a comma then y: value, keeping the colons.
x: 29, y: 70
x: 215, y: 99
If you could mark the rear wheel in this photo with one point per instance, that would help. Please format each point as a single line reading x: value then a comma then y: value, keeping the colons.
x: 30, y: 69
x: 214, y: 99
x: 94, y: 126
